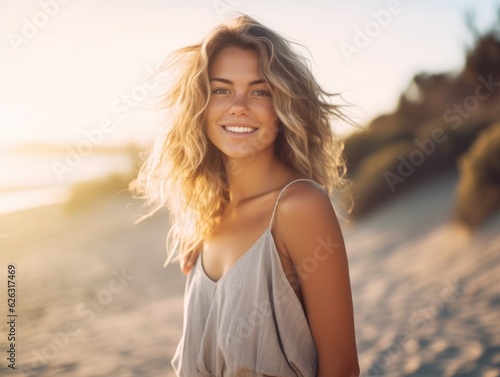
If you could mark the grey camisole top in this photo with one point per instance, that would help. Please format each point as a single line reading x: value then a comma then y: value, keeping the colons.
x: 249, y: 323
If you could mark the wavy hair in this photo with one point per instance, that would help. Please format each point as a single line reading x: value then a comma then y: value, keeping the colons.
x: 184, y: 171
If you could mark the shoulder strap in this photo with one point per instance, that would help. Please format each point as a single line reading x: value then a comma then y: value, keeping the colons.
x: 281, y: 194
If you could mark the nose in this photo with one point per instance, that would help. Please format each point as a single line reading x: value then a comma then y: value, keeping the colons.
x: 239, y: 106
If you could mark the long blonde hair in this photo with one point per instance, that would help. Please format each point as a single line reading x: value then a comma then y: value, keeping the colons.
x: 184, y: 171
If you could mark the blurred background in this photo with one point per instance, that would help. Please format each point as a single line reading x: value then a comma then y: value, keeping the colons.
x: 79, y: 94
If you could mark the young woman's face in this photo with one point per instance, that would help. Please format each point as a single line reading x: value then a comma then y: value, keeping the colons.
x: 241, y: 120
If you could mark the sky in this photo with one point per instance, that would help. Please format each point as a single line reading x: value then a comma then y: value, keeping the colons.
x: 76, y: 69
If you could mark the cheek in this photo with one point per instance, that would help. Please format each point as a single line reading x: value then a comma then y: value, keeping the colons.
x: 210, y: 108
x: 214, y: 110
x: 273, y: 116
x: 267, y: 111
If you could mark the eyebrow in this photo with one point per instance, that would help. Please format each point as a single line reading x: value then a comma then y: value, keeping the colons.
x: 226, y: 81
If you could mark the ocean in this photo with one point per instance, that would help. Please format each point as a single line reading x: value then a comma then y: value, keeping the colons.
x: 31, y: 180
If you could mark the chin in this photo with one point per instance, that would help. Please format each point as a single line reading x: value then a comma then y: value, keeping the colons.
x: 239, y: 156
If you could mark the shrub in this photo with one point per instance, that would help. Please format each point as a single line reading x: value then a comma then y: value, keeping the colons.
x: 370, y: 187
x: 361, y: 144
x: 478, y: 190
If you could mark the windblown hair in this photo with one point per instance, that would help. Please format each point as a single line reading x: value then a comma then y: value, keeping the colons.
x: 184, y: 171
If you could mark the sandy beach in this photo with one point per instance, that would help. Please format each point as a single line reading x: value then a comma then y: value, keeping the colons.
x: 93, y: 298
x: 426, y: 295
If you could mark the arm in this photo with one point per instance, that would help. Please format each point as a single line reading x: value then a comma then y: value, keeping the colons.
x: 314, y: 243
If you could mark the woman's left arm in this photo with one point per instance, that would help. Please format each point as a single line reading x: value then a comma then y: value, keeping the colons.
x: 314, y: 242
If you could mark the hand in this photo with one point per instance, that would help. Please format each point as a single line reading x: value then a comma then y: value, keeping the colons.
x: 188, y: 261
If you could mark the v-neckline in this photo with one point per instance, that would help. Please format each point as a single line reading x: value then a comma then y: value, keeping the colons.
x: 216, y: 282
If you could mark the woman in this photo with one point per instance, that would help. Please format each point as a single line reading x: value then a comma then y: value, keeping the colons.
x: 268, y: 291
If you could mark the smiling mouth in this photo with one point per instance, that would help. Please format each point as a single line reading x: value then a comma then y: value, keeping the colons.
x: 240, y: 129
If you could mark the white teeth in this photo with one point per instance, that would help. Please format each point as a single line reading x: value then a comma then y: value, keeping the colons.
x: 239, y: 129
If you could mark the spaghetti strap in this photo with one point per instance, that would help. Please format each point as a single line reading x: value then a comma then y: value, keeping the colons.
x: 281, y: 194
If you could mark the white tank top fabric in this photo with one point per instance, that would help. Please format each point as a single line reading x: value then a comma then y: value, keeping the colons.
x: 249, y: 323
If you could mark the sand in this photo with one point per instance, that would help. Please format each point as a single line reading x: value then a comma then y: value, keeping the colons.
x: 93, y: 298
x: 426, y: 294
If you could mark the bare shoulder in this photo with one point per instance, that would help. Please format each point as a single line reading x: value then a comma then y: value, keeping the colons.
x: 302, y: 194
x: 305, y: 198
x: 305, y: 212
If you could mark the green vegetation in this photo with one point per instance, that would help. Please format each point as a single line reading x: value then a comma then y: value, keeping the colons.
x: 437, y: 120
x: 478, y: 191
x: 87, y: 193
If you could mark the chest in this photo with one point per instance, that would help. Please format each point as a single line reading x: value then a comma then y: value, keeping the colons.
x: 238, y: 235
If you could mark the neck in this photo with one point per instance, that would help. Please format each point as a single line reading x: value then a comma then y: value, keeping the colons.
x: 250, y: 177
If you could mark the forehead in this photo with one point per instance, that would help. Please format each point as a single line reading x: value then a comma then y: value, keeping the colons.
x: 235, y: 61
